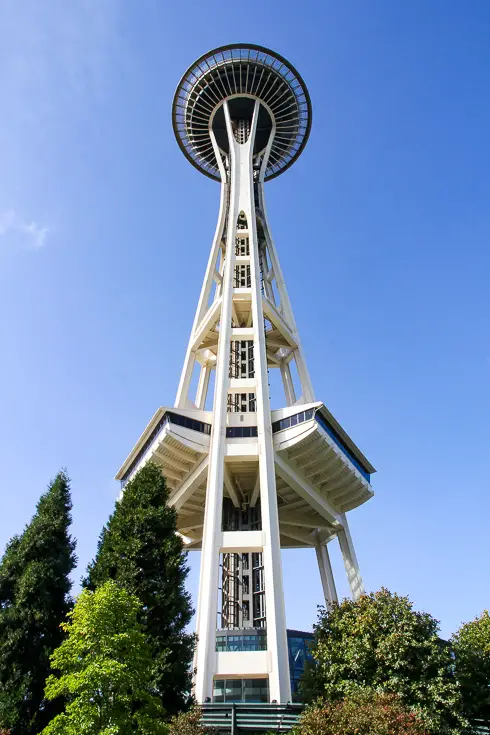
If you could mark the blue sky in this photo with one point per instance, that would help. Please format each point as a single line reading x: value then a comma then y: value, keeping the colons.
x: 382, y: 228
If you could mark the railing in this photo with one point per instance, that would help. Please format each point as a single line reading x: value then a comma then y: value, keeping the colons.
x: 238, y: 717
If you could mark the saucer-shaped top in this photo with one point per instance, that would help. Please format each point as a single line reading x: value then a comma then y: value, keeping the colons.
x: 241, y: 73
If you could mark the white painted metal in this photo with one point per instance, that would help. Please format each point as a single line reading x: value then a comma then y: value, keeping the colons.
x: 207, y: 606
x: 309, y: 471
x: 326, y: 574
x: 350, y: 560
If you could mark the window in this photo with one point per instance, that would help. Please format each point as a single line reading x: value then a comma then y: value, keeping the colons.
x: 241, y: 432
x: 255, y: 690
x: 219, y: 690
x: 241, y: 690
x: 233, y: 690
x: 289, y: 421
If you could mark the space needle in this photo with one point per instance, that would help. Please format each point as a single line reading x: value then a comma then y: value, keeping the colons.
x: 247, y: 479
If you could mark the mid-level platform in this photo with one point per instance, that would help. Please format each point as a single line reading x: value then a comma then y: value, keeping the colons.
x: 320, y: 473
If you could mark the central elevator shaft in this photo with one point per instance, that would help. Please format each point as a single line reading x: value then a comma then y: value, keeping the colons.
x: 241, y: 570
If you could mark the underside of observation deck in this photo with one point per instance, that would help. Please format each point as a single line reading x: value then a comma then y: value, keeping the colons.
x: 320, y: 473
x: 242, y: 73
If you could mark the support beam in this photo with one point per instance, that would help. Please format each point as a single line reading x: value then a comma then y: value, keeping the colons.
x: 294, y: 454
x: 287, y: 381
x: 190, y: 485
x: 297, y: 534
x: 326, y: 574
x: 229, y: 485
x: 181, y: 454
x: 350, y: 560
x: 307, y: 492
x: 194, y: 520
x: 202, y: 386
x: 169, y: 472
x: 278, y: 322
x: 176, y: 464
x: 300, y: 519
x: 207, y: 323
x: 256, y: 491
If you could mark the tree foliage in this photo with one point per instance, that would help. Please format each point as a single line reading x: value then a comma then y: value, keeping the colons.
x: 189, y: 723
x: 380, y: 642
x: 140, y: 549
x: 364, y: 712
x: 34, y: 599
x: 471, y: 645
x: 105, y: 669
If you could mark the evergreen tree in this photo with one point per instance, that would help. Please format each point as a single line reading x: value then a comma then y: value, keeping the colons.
x: 104, y: 667
x: 139, y: 548
x: 34, y: 600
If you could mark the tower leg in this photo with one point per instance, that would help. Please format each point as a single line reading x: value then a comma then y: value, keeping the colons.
x: 287, y: 381
x: 207, y: 609
x: 326, y: 574
x: 202, y: 387
x: 350, y: 560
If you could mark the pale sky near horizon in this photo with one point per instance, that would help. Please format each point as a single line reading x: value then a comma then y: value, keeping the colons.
x: 382, y: 228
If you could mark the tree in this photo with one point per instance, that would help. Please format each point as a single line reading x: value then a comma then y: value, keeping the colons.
x: 364, y: 712
x: 379, y: 641
x: 471, y: 645
x: 140, y: 549
x: 189, y: 723
x: 105, y: 669
x: 34, y: 600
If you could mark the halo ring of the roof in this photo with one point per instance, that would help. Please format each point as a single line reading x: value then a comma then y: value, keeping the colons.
x: 251, y: 71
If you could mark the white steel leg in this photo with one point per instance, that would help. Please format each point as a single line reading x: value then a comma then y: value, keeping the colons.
x: 202, y: 386
x: 287, y: 381
x: 350, y: 560
x: 208, y: 587
x: 326, y: 574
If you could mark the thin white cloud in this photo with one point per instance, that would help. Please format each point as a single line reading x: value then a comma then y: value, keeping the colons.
x: 12, y: 224
x: 58, y: 64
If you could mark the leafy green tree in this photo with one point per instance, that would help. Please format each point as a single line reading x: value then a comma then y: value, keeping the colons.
x: 34, y: 600
x: 471, y: 645
x: 364, y: 712
x: 105, y: 669
x: 381, y: 642
x: 189, y: 723
x: 140, y: 549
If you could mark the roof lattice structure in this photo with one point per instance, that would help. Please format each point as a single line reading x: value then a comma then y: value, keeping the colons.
x: 238, y: 72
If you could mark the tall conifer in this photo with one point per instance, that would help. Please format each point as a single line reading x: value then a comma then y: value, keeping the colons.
x: 34, y: 601
x: 140, y: 549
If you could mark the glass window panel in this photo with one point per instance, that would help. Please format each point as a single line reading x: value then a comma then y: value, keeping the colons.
x: 297, y: 653
x: 219, y: 690
x: 233, y: 690
x: 256, y: 690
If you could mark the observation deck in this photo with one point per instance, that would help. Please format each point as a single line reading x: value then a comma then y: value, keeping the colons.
x: 241, y: 74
